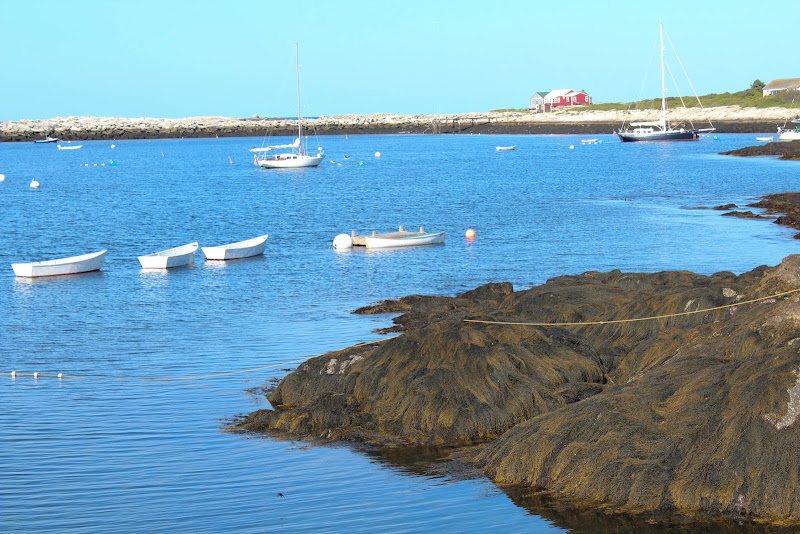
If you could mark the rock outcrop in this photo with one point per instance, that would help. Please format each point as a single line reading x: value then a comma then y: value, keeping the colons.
x: 786, y: 150
x: 693, y: 411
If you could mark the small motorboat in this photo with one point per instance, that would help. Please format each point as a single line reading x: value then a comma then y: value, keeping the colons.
x: 770, y: 138
x: 404, y: 239
x: 234, y: 251
x: 789, y: 135
x: 69, y: 147
x: 174, y: 257
x: 504, y: 148
x: 71, y: 265
x: 47, y: 139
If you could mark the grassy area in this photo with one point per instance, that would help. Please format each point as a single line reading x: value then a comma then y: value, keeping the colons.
x: 749, y: 98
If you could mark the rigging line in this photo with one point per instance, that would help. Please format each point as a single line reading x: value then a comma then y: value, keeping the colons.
x: 637, y: 319
x: 159, y: 379
x: 171, y: 379
x: 686, y: 74
x: 677, y: 89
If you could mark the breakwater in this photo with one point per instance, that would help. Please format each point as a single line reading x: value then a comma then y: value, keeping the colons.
x: 729, y: 119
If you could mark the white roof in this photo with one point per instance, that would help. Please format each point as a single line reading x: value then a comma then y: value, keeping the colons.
x: 560, y: 92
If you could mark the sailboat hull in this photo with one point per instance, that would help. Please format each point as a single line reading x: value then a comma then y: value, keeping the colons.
x: 291, y: 162
x: 670, y: 135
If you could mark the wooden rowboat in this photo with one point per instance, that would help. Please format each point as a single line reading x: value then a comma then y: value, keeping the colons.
x: 71, y: 265
x: 234, y: 251
x: 174, y: 257
x: 399, y: 240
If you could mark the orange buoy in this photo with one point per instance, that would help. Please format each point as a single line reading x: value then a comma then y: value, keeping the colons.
x: 470, y: 234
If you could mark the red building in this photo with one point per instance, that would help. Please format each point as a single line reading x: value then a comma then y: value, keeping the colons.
x: 567, y: 97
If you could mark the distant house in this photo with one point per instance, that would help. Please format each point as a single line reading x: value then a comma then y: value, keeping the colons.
x: 567, y: 97
x: 787, y: 84
x: 560, y: 97
x: 537, y: 101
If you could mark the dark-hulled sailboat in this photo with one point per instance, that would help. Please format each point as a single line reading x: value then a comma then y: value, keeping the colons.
x: 660, y: 130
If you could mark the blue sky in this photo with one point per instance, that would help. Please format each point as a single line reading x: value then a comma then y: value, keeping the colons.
x: 144, y: 58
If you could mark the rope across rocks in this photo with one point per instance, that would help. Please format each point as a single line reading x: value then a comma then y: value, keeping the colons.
x: 653, y: 317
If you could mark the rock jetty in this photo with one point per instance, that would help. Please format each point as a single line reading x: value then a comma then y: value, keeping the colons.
x: 666, y: 392
x: 726, y: 119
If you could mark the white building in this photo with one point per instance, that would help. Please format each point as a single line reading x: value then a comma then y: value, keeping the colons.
x: 786, y: 84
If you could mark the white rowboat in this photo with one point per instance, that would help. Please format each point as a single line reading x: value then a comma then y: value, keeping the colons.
x: 764, y: 138
x: 71, y: 265
x: 174, y: 257
x: 234, y: 251
x: 502, y: 148
x: 70, y: 147
x: 391, y: 241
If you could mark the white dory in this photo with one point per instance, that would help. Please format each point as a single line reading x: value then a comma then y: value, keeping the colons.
x: 173, y: 257
x: 234, y: 251
x: 71, y: 265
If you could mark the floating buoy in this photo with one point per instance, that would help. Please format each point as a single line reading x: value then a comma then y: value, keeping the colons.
x: 470, y: 234
x: 59, y: 376
x: 112, y: 162
x: 2, y: 177
x: 377, y: 154
x: 342, y: 241
x: 571, y: 147
x: 229, y: 158
x: 361, y: 163
x: 35, y: 374
x: 112, y: 146
x: 34, y: 184
x: 13, y: 374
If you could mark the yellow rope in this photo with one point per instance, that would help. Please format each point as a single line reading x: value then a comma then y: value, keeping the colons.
x: 62, y: 375
x: 616, y: 321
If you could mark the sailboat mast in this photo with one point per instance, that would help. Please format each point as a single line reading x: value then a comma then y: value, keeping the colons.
x: 663, y: 87
x: 300, y: 119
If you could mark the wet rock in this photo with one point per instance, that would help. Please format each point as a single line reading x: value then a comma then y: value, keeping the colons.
x: 744, y: 215
x: 688, y: 412
x: 787, y: 150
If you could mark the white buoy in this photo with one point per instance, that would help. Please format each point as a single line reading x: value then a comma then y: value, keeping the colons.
x: 13, y: 374
x: 342, y: 241
x: 112, y: 146
x: 35, y: 374
x: 59, y: 376
x: 2, y: 177
x: 34, y: 184
x: 377, y: 154
x: 571, y: 147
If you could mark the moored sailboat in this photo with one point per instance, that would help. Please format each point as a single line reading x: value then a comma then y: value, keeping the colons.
x: 660, y: 130
x: 298, y: 155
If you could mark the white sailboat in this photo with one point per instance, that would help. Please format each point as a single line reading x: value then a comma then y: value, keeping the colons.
x: 298, y: 155
x: 789, y: 135
x: 661, y: 130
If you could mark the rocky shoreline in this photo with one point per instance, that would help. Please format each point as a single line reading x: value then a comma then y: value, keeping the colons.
x: 786, y: 150
x: 730, y: 119
x: 690, y: 412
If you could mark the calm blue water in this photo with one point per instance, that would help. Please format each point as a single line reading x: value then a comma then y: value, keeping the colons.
x: 113, y: 453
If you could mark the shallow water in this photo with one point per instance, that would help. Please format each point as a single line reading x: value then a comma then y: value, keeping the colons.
x: 112, y: 452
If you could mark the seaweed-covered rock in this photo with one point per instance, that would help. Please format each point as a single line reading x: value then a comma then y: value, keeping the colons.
x: 646, y: 391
